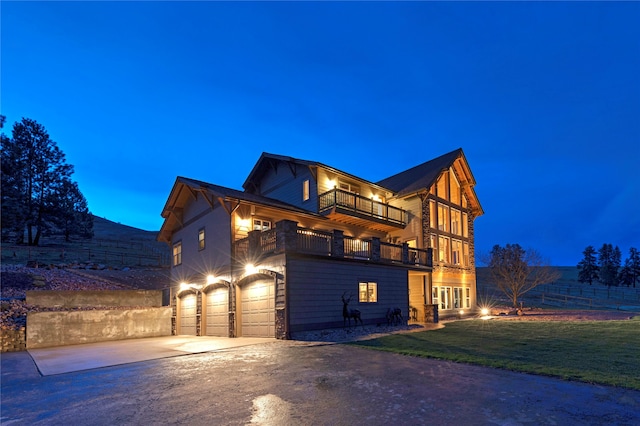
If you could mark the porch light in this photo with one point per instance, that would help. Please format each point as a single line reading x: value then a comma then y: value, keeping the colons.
x: 484, y: 312
x: 250, y: 268
x: 184, y: 286
x: 211, y: 279
x: 243, y: 224
x: 461, y: 312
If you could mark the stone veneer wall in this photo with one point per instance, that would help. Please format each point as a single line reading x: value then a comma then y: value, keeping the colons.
x: 14, y: 340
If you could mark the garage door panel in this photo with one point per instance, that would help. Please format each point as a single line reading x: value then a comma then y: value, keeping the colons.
x: 188, y: 314
x: 217, y: 312
x: 258, y: 309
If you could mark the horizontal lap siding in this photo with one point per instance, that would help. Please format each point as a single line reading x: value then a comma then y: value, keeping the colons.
x: 282, y: 185
x: 315, y: 288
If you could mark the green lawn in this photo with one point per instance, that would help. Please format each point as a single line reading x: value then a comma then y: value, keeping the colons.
x: 605, y: 352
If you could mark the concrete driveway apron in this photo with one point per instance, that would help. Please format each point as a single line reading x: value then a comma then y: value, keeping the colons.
x: 66, y: 359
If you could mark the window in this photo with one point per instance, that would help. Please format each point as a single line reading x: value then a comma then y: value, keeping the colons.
x: 348, y: 187
x: 201, y: 239
x: 432, y: 214
x: 177, y: 253
x: 261, y: 225
x: 456, y: 252
x: 445, y: 298
x: 457, y: 297
x: 454, y: 188
x: 305, y: 190
x: 443, y: 250
x: 368, y: 292
x: 465, y: 254
x: 443, y: 217
x: 434, y: 295
x: 465, y: 226
x: 467, y: 298
x: 442, y: 186
x: 456, y: 222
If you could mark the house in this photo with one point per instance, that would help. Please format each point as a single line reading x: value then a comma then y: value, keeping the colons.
x: 283, y: 255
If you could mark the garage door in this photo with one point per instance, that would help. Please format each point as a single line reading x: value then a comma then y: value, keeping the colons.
x: 258, y: 309
x: 188, y: 314
x: 218, y: 312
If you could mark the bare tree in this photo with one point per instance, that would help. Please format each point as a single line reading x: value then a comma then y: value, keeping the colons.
x: 517, y: 271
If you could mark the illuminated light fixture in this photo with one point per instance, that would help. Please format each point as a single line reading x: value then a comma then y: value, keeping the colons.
x: 210, y: 279
x: 250, y: 268
x: 243, y: 224
x: 331, y: 183
x: 375, y: 198
x: 461, y: 312
x: 484, y: 311
x: 184, y: 286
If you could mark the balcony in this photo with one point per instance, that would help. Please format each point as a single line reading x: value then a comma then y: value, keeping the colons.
x: 287, y: 237
x: 353, y: 209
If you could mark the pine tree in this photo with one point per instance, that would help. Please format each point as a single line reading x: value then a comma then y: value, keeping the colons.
x: 34, y: 175
x: 630, y: 273
x: 609, y: 263
x: 588, y: 266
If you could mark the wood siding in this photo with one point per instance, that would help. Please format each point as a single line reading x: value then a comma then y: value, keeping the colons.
x: 315, y: 288
x: 281, y: 184
x: 216, y: 223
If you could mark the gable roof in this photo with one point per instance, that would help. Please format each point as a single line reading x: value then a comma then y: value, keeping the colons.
x: 220, y: 194
x: 267, y: 159
x: 423, y: 176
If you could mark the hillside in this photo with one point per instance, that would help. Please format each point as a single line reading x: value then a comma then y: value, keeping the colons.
x: 113, y: 246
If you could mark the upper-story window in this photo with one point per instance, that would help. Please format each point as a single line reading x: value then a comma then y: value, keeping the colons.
x: 177, y: 253
x: 454, y: 189
x: 201, y: 239
x: 443, y: 218
x: 261, y: 225
x: 456, y: 222
x: 345, y: 186
x: 305, y: 190
x: 442, y: 189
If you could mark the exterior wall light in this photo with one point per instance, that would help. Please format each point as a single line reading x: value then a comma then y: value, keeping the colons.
x: 211, y: 279
x: 250, y: 268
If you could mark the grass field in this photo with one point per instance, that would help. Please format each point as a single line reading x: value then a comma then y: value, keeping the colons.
x: 603, y: 352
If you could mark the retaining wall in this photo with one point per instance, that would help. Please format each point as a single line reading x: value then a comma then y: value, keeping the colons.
x: 91, y: 298
x: 60, y: 328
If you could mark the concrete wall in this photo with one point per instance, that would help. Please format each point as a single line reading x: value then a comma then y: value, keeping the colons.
x: 60, y: 328
x: 112, y: 298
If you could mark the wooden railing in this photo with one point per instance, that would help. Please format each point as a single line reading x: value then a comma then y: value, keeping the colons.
x: 314, y: 242
x: 390, y: 252
x: 364, y: 206
x: 357, y: 248
x: 326, y: 243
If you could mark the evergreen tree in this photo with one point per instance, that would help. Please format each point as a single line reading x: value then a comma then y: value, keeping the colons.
x: 609, y: 263
x: 588, y: 266
x: 35, y: 184
x: 630, y: 273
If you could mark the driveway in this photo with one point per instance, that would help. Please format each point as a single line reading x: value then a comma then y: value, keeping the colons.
x: 303, y: 383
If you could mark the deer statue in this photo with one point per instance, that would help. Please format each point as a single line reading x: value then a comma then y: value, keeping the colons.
x: 394, y: 316
x: 347, y: 313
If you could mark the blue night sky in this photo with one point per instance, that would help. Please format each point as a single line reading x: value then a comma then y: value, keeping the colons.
x: 543, y: 97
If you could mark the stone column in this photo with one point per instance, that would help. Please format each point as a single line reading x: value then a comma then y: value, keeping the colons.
x: 286, y: 236
x: 431, y: 314
x: 375, y: 249
x: 337, y: 244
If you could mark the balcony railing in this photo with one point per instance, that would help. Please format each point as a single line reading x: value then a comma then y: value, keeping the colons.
x: 287, y: 237
x: 350, y: 203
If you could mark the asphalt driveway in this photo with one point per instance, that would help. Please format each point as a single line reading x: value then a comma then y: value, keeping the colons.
x: 302, y: 383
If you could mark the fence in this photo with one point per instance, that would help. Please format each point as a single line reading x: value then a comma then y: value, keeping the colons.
x: 45, y: 255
